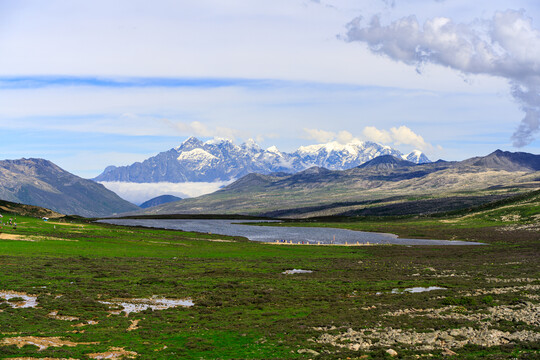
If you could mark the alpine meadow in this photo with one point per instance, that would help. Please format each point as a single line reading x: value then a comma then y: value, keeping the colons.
x: 287, y: 179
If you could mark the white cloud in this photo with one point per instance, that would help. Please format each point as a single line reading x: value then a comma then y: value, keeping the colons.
x: 344, y: 137
x: 373, y: 134
x: 321, y: 136
x: 505, y: 46
x: 396, y: 135
x: 404, y: 135
x: 324, y: 136
x: 138, y: 193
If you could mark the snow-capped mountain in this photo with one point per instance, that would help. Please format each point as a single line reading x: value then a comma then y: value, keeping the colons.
x: 417, y: 157
x: 336, y: 156
x: 222, y: 160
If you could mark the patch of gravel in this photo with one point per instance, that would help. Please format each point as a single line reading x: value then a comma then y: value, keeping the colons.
x: 448, y: 339
x: 502, y: 290
x: 527, y: 227
x: 519, y: 280
x: 527, y: 313
x: 114, y: 353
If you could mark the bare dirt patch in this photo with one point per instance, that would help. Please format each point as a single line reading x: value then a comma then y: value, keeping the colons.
x: 54, y: 315
x: 114, y: 353
x: 32, y: 358
x: 4, y: 236
x: 41, y: 342
x: 134, y: 325
x: 89, y: 322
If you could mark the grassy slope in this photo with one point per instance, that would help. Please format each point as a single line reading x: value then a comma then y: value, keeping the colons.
x: 245, y: 307
x: 521, y: 211
x: 282, y: 196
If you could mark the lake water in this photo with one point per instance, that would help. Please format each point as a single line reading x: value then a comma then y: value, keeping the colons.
x: 306, y: 235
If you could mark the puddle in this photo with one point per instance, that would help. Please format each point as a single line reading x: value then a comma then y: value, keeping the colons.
x: 114, y: 353
x: 417, y: 289
x: 41, y: 342
x: 138, y: 305
x: 414, y: 290
x: 296, y: 271
x: 29, y: 301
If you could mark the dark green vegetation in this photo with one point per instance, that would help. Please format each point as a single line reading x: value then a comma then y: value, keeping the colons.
x: 27, y: 210
x: 246, y: 308
x: 381, y: 187
x: 40, y: 182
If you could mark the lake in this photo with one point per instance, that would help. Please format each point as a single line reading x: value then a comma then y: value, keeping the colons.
x: 306, y: 235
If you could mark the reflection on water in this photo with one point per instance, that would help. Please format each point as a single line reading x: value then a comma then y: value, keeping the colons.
x: 417, y: 289
x: 295, y: 235
x: 26, y: 301
x: 154, y: 303
x: 297, y: 271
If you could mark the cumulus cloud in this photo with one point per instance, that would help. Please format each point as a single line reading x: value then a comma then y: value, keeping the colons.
x: 506, y: 46
x: 396, y: 135
x: 323, y: 136
x: 404, y: 135
x: 138, y: 193
x: 376, y: 135
x: 319, y: 135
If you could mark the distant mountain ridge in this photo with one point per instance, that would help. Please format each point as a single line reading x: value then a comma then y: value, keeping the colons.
x: 41, y: 183
x: 159, y: 200
x: 509, y: 161
x: 222, y: 160
x: 399, y: 185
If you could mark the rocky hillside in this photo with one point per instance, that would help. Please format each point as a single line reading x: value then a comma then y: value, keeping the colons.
x: 222, y: 160
x: 41, y: 183
x: 404, y: 187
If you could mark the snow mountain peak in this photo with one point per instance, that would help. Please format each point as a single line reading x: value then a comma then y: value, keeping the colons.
x: 220, y: 159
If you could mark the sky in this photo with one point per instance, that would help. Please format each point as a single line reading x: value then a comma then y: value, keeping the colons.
x: 87, y: 84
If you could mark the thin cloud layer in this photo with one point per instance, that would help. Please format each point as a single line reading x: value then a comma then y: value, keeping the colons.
x: 506, y: 46
x: 138, y: 193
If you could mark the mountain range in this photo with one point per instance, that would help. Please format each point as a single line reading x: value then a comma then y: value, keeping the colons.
x: 40, y: 182
x: 386, y: 185
x: 222, y: 160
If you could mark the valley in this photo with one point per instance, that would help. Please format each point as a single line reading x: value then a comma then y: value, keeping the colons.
x: 351, y: 302
x: 383, y: 186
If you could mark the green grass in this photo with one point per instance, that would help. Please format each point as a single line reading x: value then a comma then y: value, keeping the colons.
x: 245, y: 308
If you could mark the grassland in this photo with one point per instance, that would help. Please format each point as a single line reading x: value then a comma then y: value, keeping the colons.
x: 246, y: 308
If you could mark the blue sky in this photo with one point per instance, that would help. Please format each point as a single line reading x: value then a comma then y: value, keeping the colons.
x: 91, y: 84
